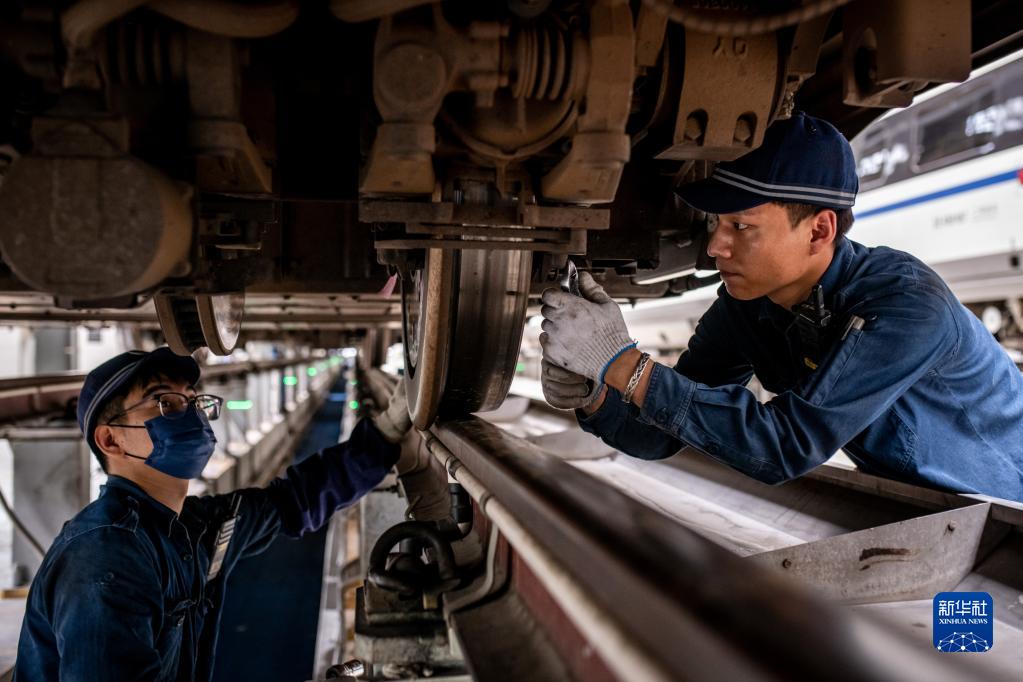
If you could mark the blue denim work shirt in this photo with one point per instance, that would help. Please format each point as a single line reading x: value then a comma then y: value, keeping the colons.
x: 122, y: 594
x: 922, y: 393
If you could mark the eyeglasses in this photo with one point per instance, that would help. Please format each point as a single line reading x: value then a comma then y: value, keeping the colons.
x: 175, y: 405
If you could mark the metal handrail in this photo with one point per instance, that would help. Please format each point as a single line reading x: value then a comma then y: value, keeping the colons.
x: 23, y: 397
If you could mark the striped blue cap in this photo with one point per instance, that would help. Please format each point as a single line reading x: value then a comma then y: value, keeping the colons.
x: 803, y: 160
x: 103, y: 382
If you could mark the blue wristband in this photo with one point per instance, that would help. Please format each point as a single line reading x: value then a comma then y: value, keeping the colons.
x: 613, y: 358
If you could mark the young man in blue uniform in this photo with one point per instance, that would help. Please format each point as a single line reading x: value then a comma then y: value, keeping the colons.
x: 866, y: 348
x: 133, y: 586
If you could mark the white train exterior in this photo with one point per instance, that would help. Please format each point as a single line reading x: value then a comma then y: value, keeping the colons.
x: 943, y: 180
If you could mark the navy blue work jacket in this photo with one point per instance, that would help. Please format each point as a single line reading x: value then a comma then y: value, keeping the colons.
x: 122, y: 594
x: 922, y: 393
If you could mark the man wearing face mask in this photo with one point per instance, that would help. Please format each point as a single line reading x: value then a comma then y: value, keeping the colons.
x: 133, y: 586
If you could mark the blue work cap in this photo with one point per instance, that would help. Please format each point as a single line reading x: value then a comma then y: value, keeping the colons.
x: 803, y: 160
x: 104, y: 381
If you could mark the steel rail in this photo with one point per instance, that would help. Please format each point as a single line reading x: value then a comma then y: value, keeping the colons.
x: 647, y: 592
x: 615, y: 645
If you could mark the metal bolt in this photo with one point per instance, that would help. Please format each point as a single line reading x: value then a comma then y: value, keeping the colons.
x: 786, y: 563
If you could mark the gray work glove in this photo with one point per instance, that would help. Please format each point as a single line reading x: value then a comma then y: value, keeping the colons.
x: 394, y: 422
x: 566, y: 390
x: 583, y: 334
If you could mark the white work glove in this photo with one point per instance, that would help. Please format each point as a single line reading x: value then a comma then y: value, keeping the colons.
x: 394, y: 422
x: 583, y: 334
x: 567, y: 390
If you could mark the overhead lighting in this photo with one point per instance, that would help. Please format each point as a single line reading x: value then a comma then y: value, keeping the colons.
x: 706, y: 273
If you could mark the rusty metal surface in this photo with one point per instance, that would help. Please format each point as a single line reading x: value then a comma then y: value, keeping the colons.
x: 592, y: 169
x: 893, y: 49
x: 415, y: 66
x: 225, y: 157
x: 728, y: 93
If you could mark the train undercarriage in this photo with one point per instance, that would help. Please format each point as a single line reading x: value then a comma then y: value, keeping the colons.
x: 223, y: 171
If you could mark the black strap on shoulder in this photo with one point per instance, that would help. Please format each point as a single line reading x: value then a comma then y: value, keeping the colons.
x: 812, y: 320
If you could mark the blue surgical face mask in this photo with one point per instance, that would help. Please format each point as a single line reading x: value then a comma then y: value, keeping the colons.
x: 181, y: 446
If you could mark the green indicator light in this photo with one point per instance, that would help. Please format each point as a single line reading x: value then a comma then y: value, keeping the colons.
x: 311, y: 371
x: 239, y: 404
x: 353, y: 382
x: 520, y: 367
x: 290, y: 380
x: 353, y: 404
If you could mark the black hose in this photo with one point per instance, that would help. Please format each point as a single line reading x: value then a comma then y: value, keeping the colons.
x: 741, y: 26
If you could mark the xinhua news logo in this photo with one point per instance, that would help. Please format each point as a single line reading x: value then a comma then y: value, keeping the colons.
x: 964, y: 622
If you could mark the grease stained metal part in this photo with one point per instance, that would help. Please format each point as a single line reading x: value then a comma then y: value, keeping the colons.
x: 911, y: 559
x: 871, y: 552
x: 467, y: 333
x: 147, y: 142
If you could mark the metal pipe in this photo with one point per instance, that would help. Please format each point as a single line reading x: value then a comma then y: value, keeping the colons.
x: 20, y: 526
x: 615, y: 645
x: 80, y: 22
x: 27, y: 396
x: 283, y: 320
x: 708, y: 22
x: 354, y: 11
x: 231, y: 19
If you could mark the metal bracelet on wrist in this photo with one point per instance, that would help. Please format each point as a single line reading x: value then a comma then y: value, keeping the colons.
x: 636, y: 376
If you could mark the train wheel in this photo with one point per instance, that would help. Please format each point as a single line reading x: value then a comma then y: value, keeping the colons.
x: 462, y: 316
x: 191, y: 322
